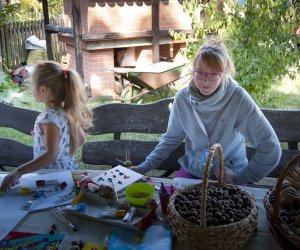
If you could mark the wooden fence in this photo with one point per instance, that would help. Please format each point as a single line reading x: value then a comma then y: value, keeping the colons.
x: 12, y: 42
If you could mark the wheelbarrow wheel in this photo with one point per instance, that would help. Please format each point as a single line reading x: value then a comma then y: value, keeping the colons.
x: 127, y: 97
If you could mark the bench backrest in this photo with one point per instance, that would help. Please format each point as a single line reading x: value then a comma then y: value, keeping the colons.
x: 12, y: 152
x: 286, y: 125
x: 152, y: 118
x: 120, y: 118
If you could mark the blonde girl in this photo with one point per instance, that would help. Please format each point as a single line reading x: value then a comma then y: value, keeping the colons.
x: 58, y: 130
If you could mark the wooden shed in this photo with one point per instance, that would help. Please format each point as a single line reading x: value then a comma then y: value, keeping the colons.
x: 96, y: 31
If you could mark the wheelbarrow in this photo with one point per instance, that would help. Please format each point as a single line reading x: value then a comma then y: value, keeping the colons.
x: 147, y: 78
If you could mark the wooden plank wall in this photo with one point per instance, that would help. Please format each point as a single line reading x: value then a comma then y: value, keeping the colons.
x: 12, y: 42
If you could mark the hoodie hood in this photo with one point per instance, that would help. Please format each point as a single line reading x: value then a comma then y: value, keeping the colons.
x: 217, y: 100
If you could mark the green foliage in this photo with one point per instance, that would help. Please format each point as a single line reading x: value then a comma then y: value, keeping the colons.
x: 28, y: 10
x: 259, y: 36
x: 56, y: 8
x: 7, y: 14
x: 6, y: 83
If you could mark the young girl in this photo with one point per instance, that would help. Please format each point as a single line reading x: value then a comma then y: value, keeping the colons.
x: 58, y: 130
x: 214, y: 109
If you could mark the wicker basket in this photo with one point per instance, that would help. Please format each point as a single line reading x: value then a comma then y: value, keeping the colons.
x: 284, y: 235
x: 229, y: 236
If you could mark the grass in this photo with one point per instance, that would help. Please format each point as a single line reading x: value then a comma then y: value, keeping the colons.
x: 290, y: 90
x: 284, y: 94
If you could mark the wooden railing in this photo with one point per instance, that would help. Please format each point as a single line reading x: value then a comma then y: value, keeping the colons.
x: 12, y: 42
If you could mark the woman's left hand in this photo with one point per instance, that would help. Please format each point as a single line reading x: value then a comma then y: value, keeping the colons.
x: 227, y: 175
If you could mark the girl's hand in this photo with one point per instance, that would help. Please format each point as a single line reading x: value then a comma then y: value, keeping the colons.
x: 227, y: 175
x: 10, y: 180
x: 136, y: 169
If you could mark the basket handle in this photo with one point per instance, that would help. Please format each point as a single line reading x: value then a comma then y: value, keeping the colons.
x: 284, y: 172
x: 206, y: 177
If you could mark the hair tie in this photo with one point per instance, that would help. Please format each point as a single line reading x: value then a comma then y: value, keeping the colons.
x: 66, y: 73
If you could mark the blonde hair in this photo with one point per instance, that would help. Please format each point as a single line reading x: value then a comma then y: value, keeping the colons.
x: 213, y: 54
x: 68, y: 91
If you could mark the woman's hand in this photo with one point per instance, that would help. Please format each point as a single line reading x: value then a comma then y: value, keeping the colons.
x: 227, y: 175
x: 10, y: 180
x: 136, y: 169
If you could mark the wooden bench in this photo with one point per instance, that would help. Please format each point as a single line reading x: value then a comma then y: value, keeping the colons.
x: 152, y: 118
x: 119, y: 119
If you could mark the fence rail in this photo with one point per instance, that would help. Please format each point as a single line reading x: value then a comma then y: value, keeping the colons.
x: 12, y: 42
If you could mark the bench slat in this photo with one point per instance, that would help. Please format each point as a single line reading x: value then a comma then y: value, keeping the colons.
x: 122, y: 117
x: 17, y: 118
x: 287, y: 154
x: 285, y: 123
x: 107, y: 153
x: 14, y: 153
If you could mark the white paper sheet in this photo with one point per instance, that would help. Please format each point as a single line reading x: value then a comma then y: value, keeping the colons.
x: 11, y: 202
x: 119, y: 176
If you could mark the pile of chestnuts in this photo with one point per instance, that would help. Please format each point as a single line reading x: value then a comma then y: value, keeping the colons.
x: 224, y: 205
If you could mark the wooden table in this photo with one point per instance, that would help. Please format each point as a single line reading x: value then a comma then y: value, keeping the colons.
x: 92, y: 231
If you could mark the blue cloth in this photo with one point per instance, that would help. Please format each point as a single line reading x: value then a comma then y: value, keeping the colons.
x: 156, y: 237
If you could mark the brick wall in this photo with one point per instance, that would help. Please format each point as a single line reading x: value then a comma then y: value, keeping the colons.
x: 127, y: 16
x: 118, y: 16
x: 97, y: 66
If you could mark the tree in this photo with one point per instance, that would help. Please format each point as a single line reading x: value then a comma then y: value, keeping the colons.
x: 259, y: 34
x: 27, y: 10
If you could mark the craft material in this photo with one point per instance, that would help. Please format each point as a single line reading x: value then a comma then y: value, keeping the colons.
x: 34, y: 199
x: 43, y: 183
x: 68, y: 223
x: 53, y: 229
x: 46, y: 187
x: 94, y: 206
x: 115, y: 214
x: 165, y: 193
x: 68, y: 196
x: 129, y: 215
x: 76, y: 207
x: 119, y: 176
x: 39, y: 193
x: 21, y: 240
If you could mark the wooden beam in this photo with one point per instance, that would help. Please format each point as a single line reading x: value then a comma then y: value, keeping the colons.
x: 115, y: 35
x: 51, y: 28
x: 127, y: 35
x: 96, y: 41
x: 77, y: 31
x: 47, y: 33
x: 155, y: 30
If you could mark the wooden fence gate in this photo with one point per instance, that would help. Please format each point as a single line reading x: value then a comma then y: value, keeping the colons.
x: 12, y: 42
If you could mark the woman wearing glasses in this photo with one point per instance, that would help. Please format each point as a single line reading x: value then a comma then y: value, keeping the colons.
x: 214, y: 109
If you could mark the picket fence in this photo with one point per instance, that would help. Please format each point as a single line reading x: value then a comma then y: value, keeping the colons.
x: 12, y: 42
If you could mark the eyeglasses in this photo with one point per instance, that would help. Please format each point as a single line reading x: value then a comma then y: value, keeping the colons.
x: 211, y: 76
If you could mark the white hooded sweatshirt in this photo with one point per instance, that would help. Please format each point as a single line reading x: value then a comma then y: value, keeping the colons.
x: 228, y: 117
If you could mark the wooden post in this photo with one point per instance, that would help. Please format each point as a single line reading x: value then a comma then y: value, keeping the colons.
x: 47, y: 33
x: 77, y: 31
x: 155, y: 30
